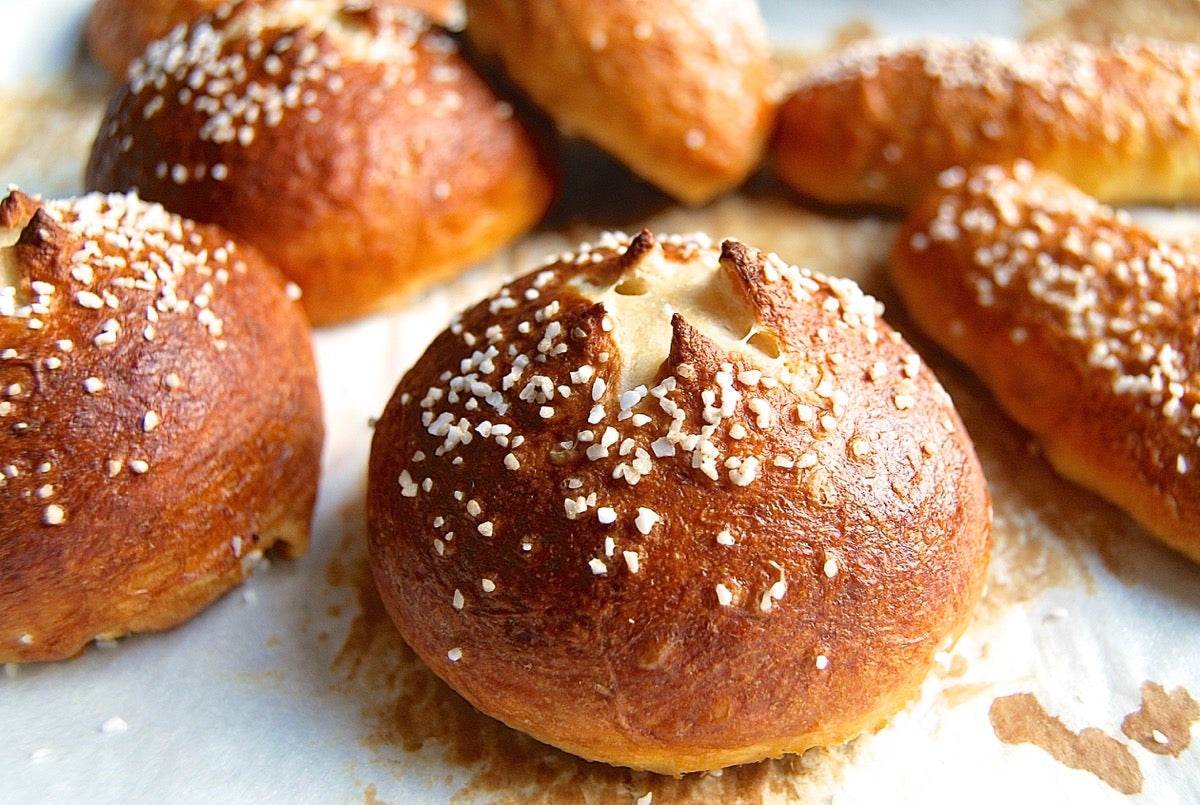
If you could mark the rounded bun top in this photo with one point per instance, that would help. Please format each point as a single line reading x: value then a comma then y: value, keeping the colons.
x: 160, y: 422
x: 676, y: 506
x: 351, y: 142
x: 681, y: 92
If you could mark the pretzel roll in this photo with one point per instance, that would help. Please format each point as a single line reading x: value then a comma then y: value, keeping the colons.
x: 676, y: 507
x: 1083, y: 325
x: 160, y: 421
x: 683, y: 93
x: 118, y: 31
x: 350, y: 141
x: 879, y: 122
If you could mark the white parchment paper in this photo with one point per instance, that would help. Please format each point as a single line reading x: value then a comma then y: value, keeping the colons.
x: 1072, y: 685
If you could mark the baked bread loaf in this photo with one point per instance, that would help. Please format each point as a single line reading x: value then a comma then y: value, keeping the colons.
x: 349, y: 141
x: 683, y: 95
x: 676, y: 507
x: 160, y: 421
x: 878, y: 123
x: 1082, y: 324
x: 118, y: 31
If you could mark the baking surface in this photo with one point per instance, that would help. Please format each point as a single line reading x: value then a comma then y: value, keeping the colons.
x: 1078, y: 681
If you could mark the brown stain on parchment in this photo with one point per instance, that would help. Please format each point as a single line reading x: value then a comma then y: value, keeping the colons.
x: 1163, y: 725
x: 1020, y: 718
x: 371, y: 796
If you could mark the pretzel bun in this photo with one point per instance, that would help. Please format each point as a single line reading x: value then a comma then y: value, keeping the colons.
x: 676, y: 507
x: 160, y: 422
x: 349, y: 141
x: 683, y: 94
x: 1082, y: 324
x: 879, y: 122
x: 118, y: 31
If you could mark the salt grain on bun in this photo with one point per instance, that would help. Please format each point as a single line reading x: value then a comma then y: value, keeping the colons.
x: 160, y: 421
x: 684, y: 94
x: 349, y: 141
x: 675, y: 507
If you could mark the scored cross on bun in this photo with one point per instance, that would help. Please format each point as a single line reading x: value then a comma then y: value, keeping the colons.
x: 676, y: 506
x: 160, y: 421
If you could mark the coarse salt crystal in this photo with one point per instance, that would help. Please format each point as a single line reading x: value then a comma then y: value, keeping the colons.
x: 645, y: 520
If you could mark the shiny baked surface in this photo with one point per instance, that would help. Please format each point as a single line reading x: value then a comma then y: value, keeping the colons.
x: 676, y: 506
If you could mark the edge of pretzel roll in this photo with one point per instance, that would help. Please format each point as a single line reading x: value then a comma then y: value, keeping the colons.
x: 1083, y: 325
x: 877, y: 123
x: 684, y: 97
x: 160, y: 420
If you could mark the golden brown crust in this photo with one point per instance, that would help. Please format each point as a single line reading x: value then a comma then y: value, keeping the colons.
x: 160, y: 422
x: 118, y: 31
x: 878, y: 123
x: 684, y: 96
x: 745, y: 543
x: 1083, y: 325
x: 351, y: 143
